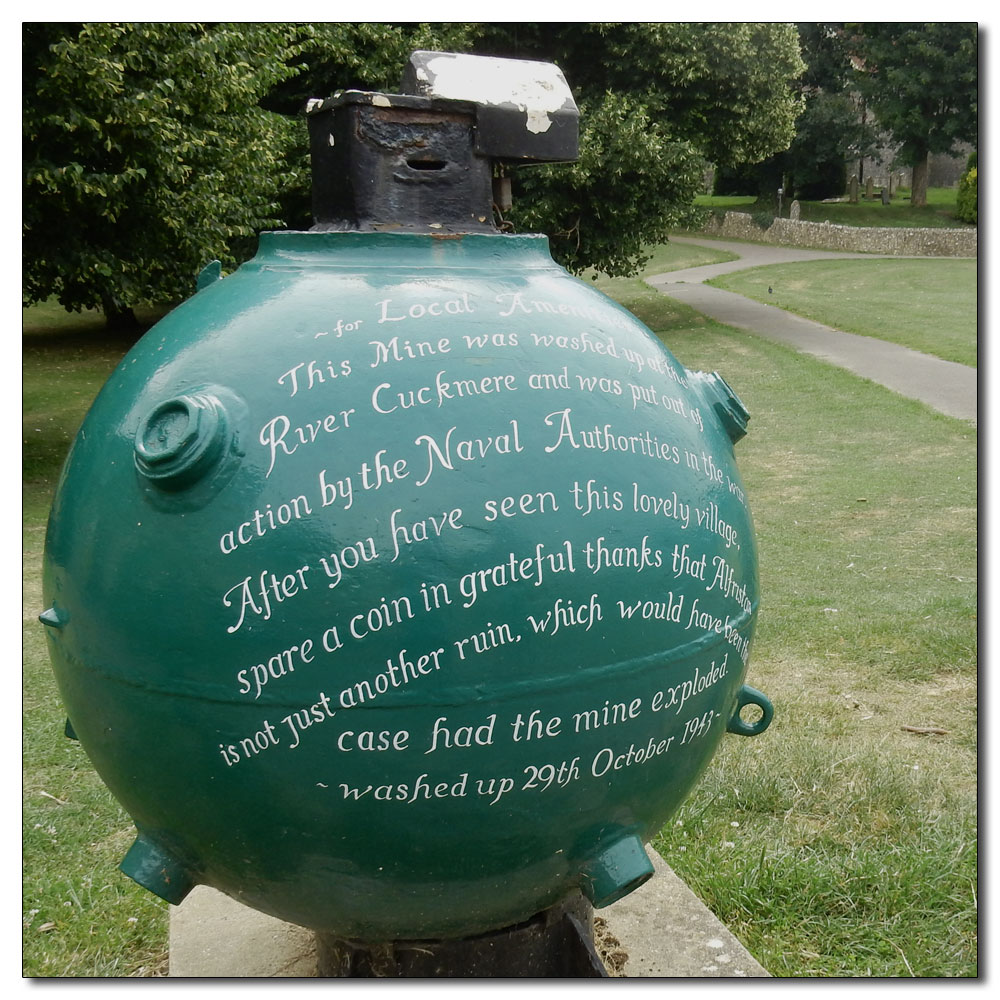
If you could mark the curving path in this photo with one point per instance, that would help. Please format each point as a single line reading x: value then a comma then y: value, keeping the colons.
x: 945, y: 386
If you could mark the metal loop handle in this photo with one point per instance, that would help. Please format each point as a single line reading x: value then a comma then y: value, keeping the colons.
x: 750, y: 696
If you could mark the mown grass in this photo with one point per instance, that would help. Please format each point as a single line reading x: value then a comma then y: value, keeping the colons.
x: 677, y: 256
x: 939, y: 212
x: 927, y: 305
x: 81, y: 918
x: 839, y: 843
x: 733, y: 201
x: 724, y: 200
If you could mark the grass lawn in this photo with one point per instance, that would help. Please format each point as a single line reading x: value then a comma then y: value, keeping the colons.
x: 80, y: 917
x: 724, y: 200
x: 839, y: 843
x: 855, y: 850
x: 938, y: 213
x: 927, y: 305
x: 677, y: 256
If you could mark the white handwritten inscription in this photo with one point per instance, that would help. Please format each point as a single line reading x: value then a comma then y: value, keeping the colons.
x: 258, y: 595
x: 395, y: 312
x: 385, y: 399
x: 444, y: 453
x: 393, y: 466
x: 528, y: 726
x: 280, y: 437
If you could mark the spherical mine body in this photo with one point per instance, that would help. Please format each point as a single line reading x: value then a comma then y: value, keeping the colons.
x: 399, y: 585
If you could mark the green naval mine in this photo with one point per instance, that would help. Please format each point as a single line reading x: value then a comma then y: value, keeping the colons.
x: 467, y: 574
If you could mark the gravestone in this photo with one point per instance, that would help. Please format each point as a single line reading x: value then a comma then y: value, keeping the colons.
x: 853, y: 189
x: 870, y: 188
x: 885, y: 196
x: 794, y: 210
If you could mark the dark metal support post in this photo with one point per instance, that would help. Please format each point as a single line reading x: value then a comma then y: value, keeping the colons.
x: 557, y: 943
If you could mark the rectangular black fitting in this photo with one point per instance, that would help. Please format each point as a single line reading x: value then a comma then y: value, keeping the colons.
x: 384, y: 162
x: 422, y: 161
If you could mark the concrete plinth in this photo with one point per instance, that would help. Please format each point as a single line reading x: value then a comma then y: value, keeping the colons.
x: 665, y: 929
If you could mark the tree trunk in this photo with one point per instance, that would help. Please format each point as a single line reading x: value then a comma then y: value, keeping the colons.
x: 769, y: 179
x: 918, y: 190
x: 118, y: 318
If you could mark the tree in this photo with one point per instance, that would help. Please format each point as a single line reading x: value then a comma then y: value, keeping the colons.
x: 725, y: 88
x: 830, y: 135
x: 152, y: 148
x: 967, y: 201
x: 360, y: 55
x: 921, y: 80
x: 657, y: 101
x: 830, y: 132
x: 630, y: 186
x: 146, y: 155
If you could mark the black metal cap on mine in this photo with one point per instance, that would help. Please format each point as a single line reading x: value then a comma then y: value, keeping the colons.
x: 422, y: 161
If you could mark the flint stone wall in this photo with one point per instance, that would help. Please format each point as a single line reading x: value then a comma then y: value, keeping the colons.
x: 855, y: 239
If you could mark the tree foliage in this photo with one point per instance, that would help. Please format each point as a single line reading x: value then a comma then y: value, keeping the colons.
x: 152, y: 148
x: 630, y: 186
x: 967, y: 200
x: 922, y: 82
x: 830, y: 133
x: 360, y: 56
x: 657, y: 102
x: 146, y: 155
x: 727, y: 89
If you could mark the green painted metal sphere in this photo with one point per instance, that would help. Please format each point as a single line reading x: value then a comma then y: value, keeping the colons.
x: 398, y: 585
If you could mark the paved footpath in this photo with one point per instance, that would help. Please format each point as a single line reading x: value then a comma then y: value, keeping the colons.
x: 943, y: 385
